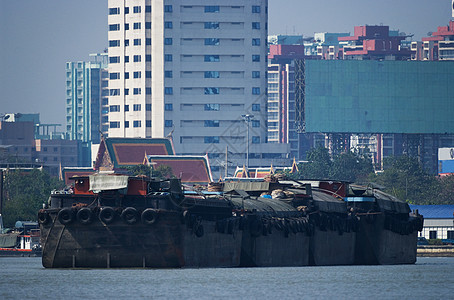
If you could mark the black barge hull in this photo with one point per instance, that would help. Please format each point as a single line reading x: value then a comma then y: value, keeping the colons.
x: 169, y: 243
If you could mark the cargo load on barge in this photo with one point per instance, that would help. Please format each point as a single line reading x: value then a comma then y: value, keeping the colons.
x: 112, y: 221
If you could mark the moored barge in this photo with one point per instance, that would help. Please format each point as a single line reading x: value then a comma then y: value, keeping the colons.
x: 109, y: 221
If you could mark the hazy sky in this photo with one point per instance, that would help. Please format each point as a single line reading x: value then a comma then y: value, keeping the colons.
x: 37, y: 38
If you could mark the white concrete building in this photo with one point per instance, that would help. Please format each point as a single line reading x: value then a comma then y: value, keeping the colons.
x: 191, y: 68
x: 438, y: 221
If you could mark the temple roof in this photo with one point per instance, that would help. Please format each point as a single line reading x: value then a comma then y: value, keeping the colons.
x: 190, y: 169
x: 115, y: 153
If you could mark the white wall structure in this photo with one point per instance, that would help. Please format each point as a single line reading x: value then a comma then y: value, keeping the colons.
x: 189, y: 68
x: 438, y: 221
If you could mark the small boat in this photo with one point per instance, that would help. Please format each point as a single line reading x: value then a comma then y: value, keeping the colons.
x: 23, y: 240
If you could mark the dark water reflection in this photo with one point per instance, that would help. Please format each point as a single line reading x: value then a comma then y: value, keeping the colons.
x: 429, y: 278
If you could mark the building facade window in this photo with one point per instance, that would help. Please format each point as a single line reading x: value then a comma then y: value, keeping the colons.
x: 126, y: 92
x: 255, y: 25
x: 126, y: 124
x: 137, y: 74
x: 211, y: 140
x: 168, y: 123
x: 148, y: 123
x: 211, y: 58
x: 211, y: 123
x: 212, y: 107
x: 114, y: 125
x: 255, y: 91
x: 148, y: 8
x: 126, y: 59
x: 147, y: 74
x: 137, y: 123
x: 211, y: 25
x: 126, y: 26
x: 168, y: 106
x: 255, y: 42
x: 168, y: 8
x: 114, y: 11
x: 255, y: 123
x: 255, y: 58
x: 168, y: 90
x: 450, y: 234
x: 255, y: 74
x: 148, y: 107
x: 137, y: 25
x: 211, y: 91
x: 255, y: 9
x: 148, y: 91
x: 255, y: 107
x: 211, y: 74
x: 113, y: 76
x: 212, y: 8
x: 212, y: 42
x: 137, y: 9
x: 168, y: 74
x: 167, y: 25
x: 126, y: 75
x: 126, y: 107
x: 114, y: 92
x: 255, y: 140
x: 137, y: 42
x: 126, y: 10
x: 136, y: 107
x: 168, y: 41
x: 137, y: 58
x: 114, y: 27
x: 114, y: 43
x: 167, y: 57
x: 114, y: 59
x: 137, y: 91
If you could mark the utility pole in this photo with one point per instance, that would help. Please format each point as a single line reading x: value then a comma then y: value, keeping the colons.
x: 247, y: 118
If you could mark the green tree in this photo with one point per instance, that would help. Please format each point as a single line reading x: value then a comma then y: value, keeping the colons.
x: 445, y: 188
x: 350, y: 166
x: 318, y: 165
x: 405, y: 178
x: 25, y: 193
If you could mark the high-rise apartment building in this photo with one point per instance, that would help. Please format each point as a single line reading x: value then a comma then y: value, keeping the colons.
x: 438, y: 46
x: 86, y: 85
x: 190, y: 68
x: 86, y: 103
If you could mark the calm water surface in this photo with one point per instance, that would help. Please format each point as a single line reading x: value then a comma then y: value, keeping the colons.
x: 429, y: 278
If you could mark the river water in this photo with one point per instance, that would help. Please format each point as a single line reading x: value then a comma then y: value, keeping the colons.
x: 429, y: 278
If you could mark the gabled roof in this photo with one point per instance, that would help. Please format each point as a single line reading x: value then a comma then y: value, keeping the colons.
x: 190, y: 169
x: 115, y: 153
x: 68, y: 172
x: 435, y: 211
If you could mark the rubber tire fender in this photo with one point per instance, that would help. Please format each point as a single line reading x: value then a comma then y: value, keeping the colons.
x: 85, y: 215
x: 43, y: 217
x: 130, y: 215
x: 199, y: 230
x: 66, y: 216
x: 107, y: 215
x: 149, y: 216
x: 256, y: 227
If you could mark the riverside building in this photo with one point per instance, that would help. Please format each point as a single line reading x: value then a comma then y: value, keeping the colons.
x: 191, y: 69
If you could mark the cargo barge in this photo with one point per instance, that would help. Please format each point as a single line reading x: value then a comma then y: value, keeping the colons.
x: 23, y: 240
x: 115, y: 221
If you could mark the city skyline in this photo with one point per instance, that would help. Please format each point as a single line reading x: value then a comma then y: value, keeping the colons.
x: 34, y: 51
